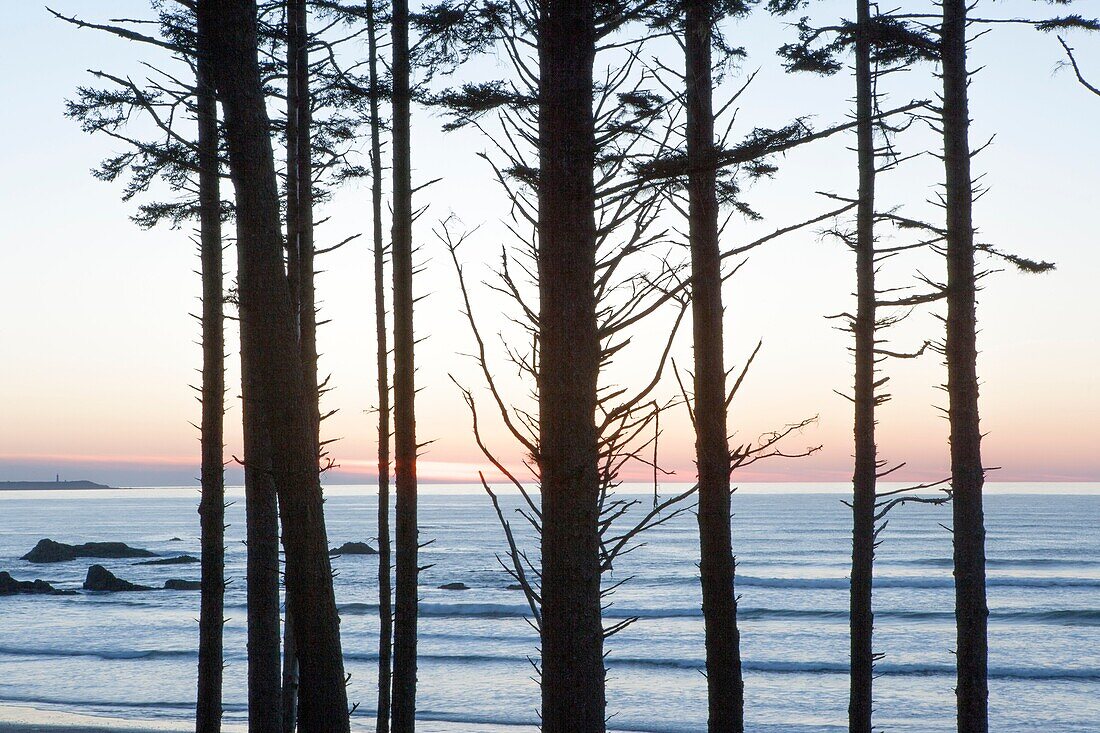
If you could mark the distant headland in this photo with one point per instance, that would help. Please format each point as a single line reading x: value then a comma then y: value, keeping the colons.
x: 45, y: 485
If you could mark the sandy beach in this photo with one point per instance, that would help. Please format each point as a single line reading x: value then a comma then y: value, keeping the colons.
x: 17, y: 719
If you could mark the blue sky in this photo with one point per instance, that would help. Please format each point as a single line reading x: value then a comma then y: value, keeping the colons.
x: 98, y: 346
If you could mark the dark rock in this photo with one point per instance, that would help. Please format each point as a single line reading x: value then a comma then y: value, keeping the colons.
x: 175, y: 539
x: 454, y: 586
x: 9, y: 586
x: 181, y: 560
x: 175, y: 584
x: 353, y: 548
x: 49, y: 551
x: 515, y: 586
x: 102, y: 579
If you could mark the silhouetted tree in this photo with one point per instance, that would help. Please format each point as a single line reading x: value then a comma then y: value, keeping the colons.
x: 725, y: 686
x: 276, y: 403
x: 875, y: 40
x: 709, y: 168
x: 865, y: 472
x: 189, y: 165
x: 212, y: 507
x: 371, y: 93
x: 961, y: 351
x: 385, y: 599
x: 299, y: 193
x: 573, y: 697
x: 300, y: 265
x: 351, y: 102
x: 404, y: 389
x: 619, y: 178
x: 580, y: 435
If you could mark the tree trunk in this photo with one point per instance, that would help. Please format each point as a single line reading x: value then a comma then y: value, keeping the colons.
x: 861, y: 617
x: 299, y: 215
x: 573, y: 699
x: 208, y: 711
x: 404, y: 392
x: 967, y: 474
x: 300, y: 207
x: 385, y: 609
x: 276, y: 403
x: 262, y: 563
x: 290, y: 675
x: 725, y: 688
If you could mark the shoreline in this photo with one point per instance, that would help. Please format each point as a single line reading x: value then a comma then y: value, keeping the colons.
x: 16, y: 718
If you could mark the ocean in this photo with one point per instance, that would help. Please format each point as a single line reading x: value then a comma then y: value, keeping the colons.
x: 132, y: 655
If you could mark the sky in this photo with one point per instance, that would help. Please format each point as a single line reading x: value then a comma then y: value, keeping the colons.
x: 99, y: 347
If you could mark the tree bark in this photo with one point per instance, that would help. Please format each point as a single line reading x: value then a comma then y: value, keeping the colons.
x: 385, y: 608
x: 725, y: 687
x: 300, y: 206
x: 276, y: 403
x: 299, y: 214
x: 262, y: 561
x: 290, y: 676
x: 407, y: 541
x: 861, y: 616
x: 208, y: 711
x: 573, y: 698
x: 967, y: 474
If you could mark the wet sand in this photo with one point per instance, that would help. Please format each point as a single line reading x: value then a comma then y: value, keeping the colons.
x: 17, y: 719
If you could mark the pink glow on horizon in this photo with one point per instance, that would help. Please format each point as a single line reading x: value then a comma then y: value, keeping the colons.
x: 359, y: 470
x: 105, y: 459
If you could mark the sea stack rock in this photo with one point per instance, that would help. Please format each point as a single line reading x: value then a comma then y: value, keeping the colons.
x: 175, y: 584
x: 101, y: 579
x: 353, y: 548
x: 454, y: 586
x: 181, y: 560
x: 9, y: 586
x: 48, y: 550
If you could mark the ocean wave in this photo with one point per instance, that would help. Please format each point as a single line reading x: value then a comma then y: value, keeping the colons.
x: 83, y: 705
x: 444, y: 610
x: 998, y: 562
x: 840, y: 582
x: 1065, y: 617
x: 618, y: 724
x: 110, y: 654
x: 1069, y: 617
x: 892, y: 669
x: 916, y: 669
x: 1002, y: 581
x: 1061, y: 617
x: 510, y: 610
x: 881, y: 668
